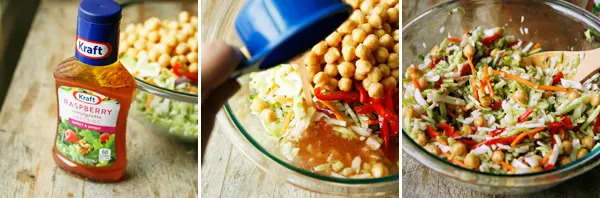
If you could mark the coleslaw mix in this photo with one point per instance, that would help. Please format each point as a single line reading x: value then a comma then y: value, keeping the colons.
x: 474, y: 102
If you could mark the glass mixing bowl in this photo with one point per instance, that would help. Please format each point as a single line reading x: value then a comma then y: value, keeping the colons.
x: 247, y: 134
x: 557, y: 25
x: 137, y: 12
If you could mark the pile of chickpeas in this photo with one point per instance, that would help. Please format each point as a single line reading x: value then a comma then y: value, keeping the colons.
x: 166, y: 42
x: 364, y: 49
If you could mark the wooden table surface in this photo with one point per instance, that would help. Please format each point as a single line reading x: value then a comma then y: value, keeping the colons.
x: 158, y: 167
x: 419, y: 181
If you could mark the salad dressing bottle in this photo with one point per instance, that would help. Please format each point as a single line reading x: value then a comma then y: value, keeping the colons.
x: 94, y: 92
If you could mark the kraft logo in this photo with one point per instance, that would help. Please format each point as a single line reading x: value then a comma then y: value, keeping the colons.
x: 87, y: 98
x: 93, y: 50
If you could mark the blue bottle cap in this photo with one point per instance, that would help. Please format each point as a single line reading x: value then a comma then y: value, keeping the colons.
x: 97, y: 38
x: 275, y: 31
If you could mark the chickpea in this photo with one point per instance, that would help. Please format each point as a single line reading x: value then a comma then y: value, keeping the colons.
x: 366, y: 82
x: 131, y: 52
x: 354, y: 3
x: 332, y: 55
x: 172, y: 32
x: 387, y: 28
x: 320, y: 78
x: 348, y: 42
x: 573, y: 95
x: 170, y: 40
x: 385, y: 70
x: 520, y: 96
x: 152, y: 24
x: 458, y: 149
x: 588, y: 142
x: 311, y: 58
x: 595, y: 100
x: 413, y: 72
x: 408, y: 112
x: 184, y: 17
x: 423, y: 83
x: 567, y: 147
x: 376, y: 90
x: 536, y: 169
x: 466, y: 129
x: 194, y: 21
x: 142, y: 54
x: 153, y: 55
x: 379, y: 33
x: 381, y: 55
x: 371, y: 41
x: 564, y: 160
x: 193, y: 68
x: 367, y: 27
x: 182, y: 37
x: 130, y: 29
x: 358, y: 35
x: 479, y: 121
x: 268, y: 115
x: 472, y: 161
x: 346, y: 69
x: 347, y: 27
x: 164, y: 60
x: 182, y: 48
x: 362, y: 51
x: 331, y: 70
x: 485, y: 101
x: 396, y: 73
x: 358, y: 16
x: 333, y: 84
x: 393, y: 61
x: 433, y: 149
x: 193, y: 43
x: 392, y: 15
x: 421, y: 139
x: 389, y: 82
x: 313, y: 70
x: 192, y: 57
x: 161, y: 47
x: 497, y: 156
x: 258, y: 105
x: 375, y: 20
x: 396, y: 48
x: 375, y: 75
x: 379, y: 170
x: 379, y: 11
x: 366, y: 6
x: 363, y: 67
x: 333, y: 39
x: 179, y: 59
x: 320, y: 48
x: 582, y: 152
x: 468, y: 51
x: 348, y: 53
x: 547, y: 94
x: 386, y: 41
x: 123, y: 36
x: 345, y: 84
x: 139, y: 44
x: 153, y: 37
x: 123, y: 47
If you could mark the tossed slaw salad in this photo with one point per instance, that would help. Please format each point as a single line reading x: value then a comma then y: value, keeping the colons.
x: 473, y: 102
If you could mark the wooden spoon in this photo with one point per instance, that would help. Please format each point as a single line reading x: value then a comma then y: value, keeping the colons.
x: 588, y: 65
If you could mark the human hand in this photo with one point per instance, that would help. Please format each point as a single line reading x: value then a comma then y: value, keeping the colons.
x: 219, y: 60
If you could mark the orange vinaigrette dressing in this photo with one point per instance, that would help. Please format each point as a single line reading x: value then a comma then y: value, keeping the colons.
x: 94, y: 92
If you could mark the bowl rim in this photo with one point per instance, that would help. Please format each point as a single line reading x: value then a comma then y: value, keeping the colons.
x: 237, y: 125
x: 577, y: 163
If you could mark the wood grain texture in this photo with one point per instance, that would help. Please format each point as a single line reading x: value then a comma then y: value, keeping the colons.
x: 419, y: 181
x: 157, y: 167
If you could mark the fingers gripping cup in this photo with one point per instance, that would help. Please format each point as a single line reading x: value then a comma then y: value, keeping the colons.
x: 275, y: 31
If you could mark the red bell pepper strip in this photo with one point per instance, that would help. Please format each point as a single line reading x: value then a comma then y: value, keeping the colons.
x: 549, y: 167
x: 496, y: 105
x: 597, y: 125
x: 525, y: 115
x: 389, y: 105
x: 497, y: 132
x: 365, y: 109
x: 337, y: 95
x: 454, y: 40
x: 385, y: 133
x: 468, y: 142
x: 490, y: 39
x: 192, y: 76
x: 375, y: 100
x: 364, y: 95
x: 552, y: 132
x: 438, y: 84
x: 465, y: 70
x: 506, y: 140
x: 395, y: 127
x: 449, y: 130
x: 566, y: 120
x: 384, y: 113
x: 514, y: 43
x: 433, y: 63
x: 557, y: 78
x: 431, y: 132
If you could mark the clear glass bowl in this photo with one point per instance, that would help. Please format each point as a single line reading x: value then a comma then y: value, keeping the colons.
x: 247, y: 134
x: 557, y: 25
x: 139, y: 11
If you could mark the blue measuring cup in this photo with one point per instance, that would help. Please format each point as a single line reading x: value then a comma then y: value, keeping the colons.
x: 276, y: 31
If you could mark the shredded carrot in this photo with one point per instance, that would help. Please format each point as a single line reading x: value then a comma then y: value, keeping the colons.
x: 416, y: 84
x: 487, y: 80
x: 458, y: 162
x: 522, y: 135
x: 474, y: 88
x: 274, y: 86
x: 150, y: 97
x: 467, y: 31
x: 547, y: 158
x: 537, y: 45
x: 506, y: 165
x: 463, y: 107
x: 471, y: 65
x: 151, y: 81
x: 191, y: 89
x: 337, y: 114
x: 287, y: 120
x: 442, y: 142
x: 454, y: 40
x: 528, y: 83
x: 372, y: 122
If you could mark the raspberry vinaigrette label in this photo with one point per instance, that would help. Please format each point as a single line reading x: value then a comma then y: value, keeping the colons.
x: 86, y: 131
